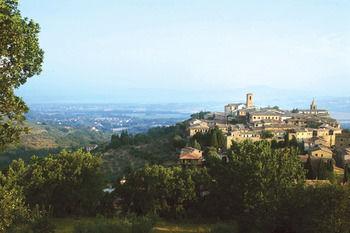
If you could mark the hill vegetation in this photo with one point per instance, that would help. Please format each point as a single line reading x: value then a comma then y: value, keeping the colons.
x: 127, y: 152
x: 42, y: 140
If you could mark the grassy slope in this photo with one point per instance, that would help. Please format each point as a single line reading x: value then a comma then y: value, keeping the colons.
x: 44, y: 139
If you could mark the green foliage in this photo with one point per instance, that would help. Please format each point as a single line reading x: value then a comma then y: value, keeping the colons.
x: 20, y: 59
x: 313, y: 124
x: 158, y: 190
x: 310, y: 173
x: 213, y: 138
x: 238, y: 120
x: 195, y: 144
x: 322, y: 209
x: 42, y: 225
x: 175, y: 133
x: 121, y: 140
x: 252, y: 182
x: 200, y: 115
x: 69, y: 182
x: 326, y: 170
x: 179, y: 142
x: 158, y: 146
x: 44, y: 140
x: 320, y: 169
x: 212, y: 152
x: 13, y: 209
x: 142, y: 224
x: 266, y: 134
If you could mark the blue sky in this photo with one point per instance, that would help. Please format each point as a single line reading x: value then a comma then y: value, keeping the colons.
x: 188, y: 50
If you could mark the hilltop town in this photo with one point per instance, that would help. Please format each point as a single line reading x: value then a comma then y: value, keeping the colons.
x: 321, y: 136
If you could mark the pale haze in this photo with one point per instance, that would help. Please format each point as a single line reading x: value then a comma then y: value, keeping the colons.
x: 187, y: 50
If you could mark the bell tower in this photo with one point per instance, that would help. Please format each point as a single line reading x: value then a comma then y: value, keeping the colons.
x: 250, y: 100
x: 313, y: 106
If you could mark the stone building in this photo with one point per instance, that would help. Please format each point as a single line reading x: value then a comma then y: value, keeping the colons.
x: 342, y: 140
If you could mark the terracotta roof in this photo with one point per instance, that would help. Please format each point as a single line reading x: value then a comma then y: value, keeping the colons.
x: 191, y: 153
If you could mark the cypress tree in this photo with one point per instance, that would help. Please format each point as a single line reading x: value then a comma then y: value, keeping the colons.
x: 196, y: 145
x: 310, y: 174
x: 322, y: 170
x: 214, y: 139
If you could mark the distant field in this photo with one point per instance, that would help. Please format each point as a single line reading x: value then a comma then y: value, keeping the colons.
x: 67, y: 226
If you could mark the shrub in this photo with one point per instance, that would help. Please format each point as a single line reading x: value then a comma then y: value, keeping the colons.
x: 43, y: 225
x: 224, y: 228
x: 142, y: 225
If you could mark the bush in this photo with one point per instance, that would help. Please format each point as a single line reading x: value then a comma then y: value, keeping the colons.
x: 43, y: 225
x: 224, y: 228
x: 142, y: 225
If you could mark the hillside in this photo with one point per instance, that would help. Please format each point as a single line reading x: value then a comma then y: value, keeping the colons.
x: 158, y: 146
x: 44, y: 139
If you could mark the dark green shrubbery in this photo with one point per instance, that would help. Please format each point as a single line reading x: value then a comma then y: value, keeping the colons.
x: 41, y: 225
x: 142, y: 224
x: 224, y: 228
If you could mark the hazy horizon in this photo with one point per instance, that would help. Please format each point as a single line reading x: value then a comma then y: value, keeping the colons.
x: 189, y: 51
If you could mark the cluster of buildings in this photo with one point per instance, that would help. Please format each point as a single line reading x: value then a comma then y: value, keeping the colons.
x: 321, y: 135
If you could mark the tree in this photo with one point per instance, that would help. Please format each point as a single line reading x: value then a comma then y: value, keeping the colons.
x: 315, y: 208
x: 214, y: 139
x: 253, y: 182
x: 199, y: 115
x: 20, y: 59
x: 196, y: 145
x: 69, y: 182
x: 266, y: 134
x: 12, y: 203
x: 178, y: 141
x: 322, y: 173
x: 158, y: 190
x: 310, y: 173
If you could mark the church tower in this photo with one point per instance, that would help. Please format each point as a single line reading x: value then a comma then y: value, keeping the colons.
x: 313, y: 107
x: 250, y: 100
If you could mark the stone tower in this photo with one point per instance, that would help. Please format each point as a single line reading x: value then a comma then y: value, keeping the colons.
x: 250, y: 100
x: 313, y: 106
